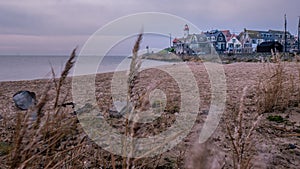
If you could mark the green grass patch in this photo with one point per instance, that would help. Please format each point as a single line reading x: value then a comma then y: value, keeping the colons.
x: 276, y: 118
x: 4, y: 148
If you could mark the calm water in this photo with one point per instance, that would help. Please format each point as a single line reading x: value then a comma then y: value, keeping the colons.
x: 13, y: 68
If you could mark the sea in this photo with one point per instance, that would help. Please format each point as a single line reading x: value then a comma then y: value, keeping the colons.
x: 30, y: 67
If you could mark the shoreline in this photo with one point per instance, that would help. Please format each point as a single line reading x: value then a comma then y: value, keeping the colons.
x: 44, y: 71
x: 169, y: 63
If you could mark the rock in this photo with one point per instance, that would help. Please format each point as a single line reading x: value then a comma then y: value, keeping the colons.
x: 119, y: 110
x: 68, y: 104
x: 24, y: 99
x: 115, y: 114
x: 1, y: 117
x: 292, y: 146
x: 87, y: 108
x: 205, y: 112
x: 99, y: 116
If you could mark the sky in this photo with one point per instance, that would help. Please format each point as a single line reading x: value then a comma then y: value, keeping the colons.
x: 55, y: 27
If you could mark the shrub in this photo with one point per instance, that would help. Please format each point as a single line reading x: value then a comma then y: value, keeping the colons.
x: 276, y: 88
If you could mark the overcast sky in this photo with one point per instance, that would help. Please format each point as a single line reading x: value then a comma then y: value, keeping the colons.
x: 57, y: 26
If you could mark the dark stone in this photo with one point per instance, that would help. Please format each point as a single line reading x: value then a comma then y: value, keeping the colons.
x: 68, y: 104
x: 87, y: 108
x: 1, y: 117
x: 292, y: 146
x: 24, y: 99
x: 205, y: 112
x: 114, y: 113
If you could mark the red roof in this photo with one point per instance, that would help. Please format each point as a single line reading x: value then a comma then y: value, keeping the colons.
x: 175, y: 40
x: 226, y: 33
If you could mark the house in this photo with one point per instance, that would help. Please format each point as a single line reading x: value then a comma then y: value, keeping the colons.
x: 218, y: 40
x: 191, y: 44
x: 227, y: 34
x: 279, y: 37
x: 233, y: 45
x: 250, y: 39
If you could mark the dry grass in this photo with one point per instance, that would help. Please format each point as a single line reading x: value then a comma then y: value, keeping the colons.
x: 64, y: 74
x: 138, y: 101
x: 41, y: 137
x: 44, y: 137
x: 240, y: 134
x: 277, y: 88
x: 133, y: 102
x: 50, y: 137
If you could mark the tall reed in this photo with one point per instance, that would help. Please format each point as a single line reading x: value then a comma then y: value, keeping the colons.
x: 242, y: 142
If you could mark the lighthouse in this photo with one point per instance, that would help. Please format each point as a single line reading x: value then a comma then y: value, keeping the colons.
x: 186, y: 31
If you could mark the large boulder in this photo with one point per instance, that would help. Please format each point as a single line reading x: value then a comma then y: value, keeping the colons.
x: 24, y: 99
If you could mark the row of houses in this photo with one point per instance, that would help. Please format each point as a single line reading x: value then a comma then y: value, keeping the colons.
x: 226, y: 42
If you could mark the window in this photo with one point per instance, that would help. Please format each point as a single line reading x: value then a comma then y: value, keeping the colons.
x: 222, y: 46
x: 253, y: 41
x: 194, y: 40
x: 213, y: 38
x: 220, y: 38
x: 259, y: 41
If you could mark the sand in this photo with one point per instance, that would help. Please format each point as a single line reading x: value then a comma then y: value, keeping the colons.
x: 271, y: 139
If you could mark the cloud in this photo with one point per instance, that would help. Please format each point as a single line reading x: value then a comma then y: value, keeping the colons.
x: 30, y: 44
x: 77, y: 18
x: 51, y: 18
x: 61, y: 17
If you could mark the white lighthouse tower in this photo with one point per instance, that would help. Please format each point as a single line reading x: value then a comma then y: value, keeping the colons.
x: 186, y: 31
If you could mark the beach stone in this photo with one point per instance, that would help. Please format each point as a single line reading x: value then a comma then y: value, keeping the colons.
x: 24, y: 99
x: 205, y: 112
x: 292, y: 146
x: 114, y: 114
x: 120, y: 110
x: 87, y: 108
